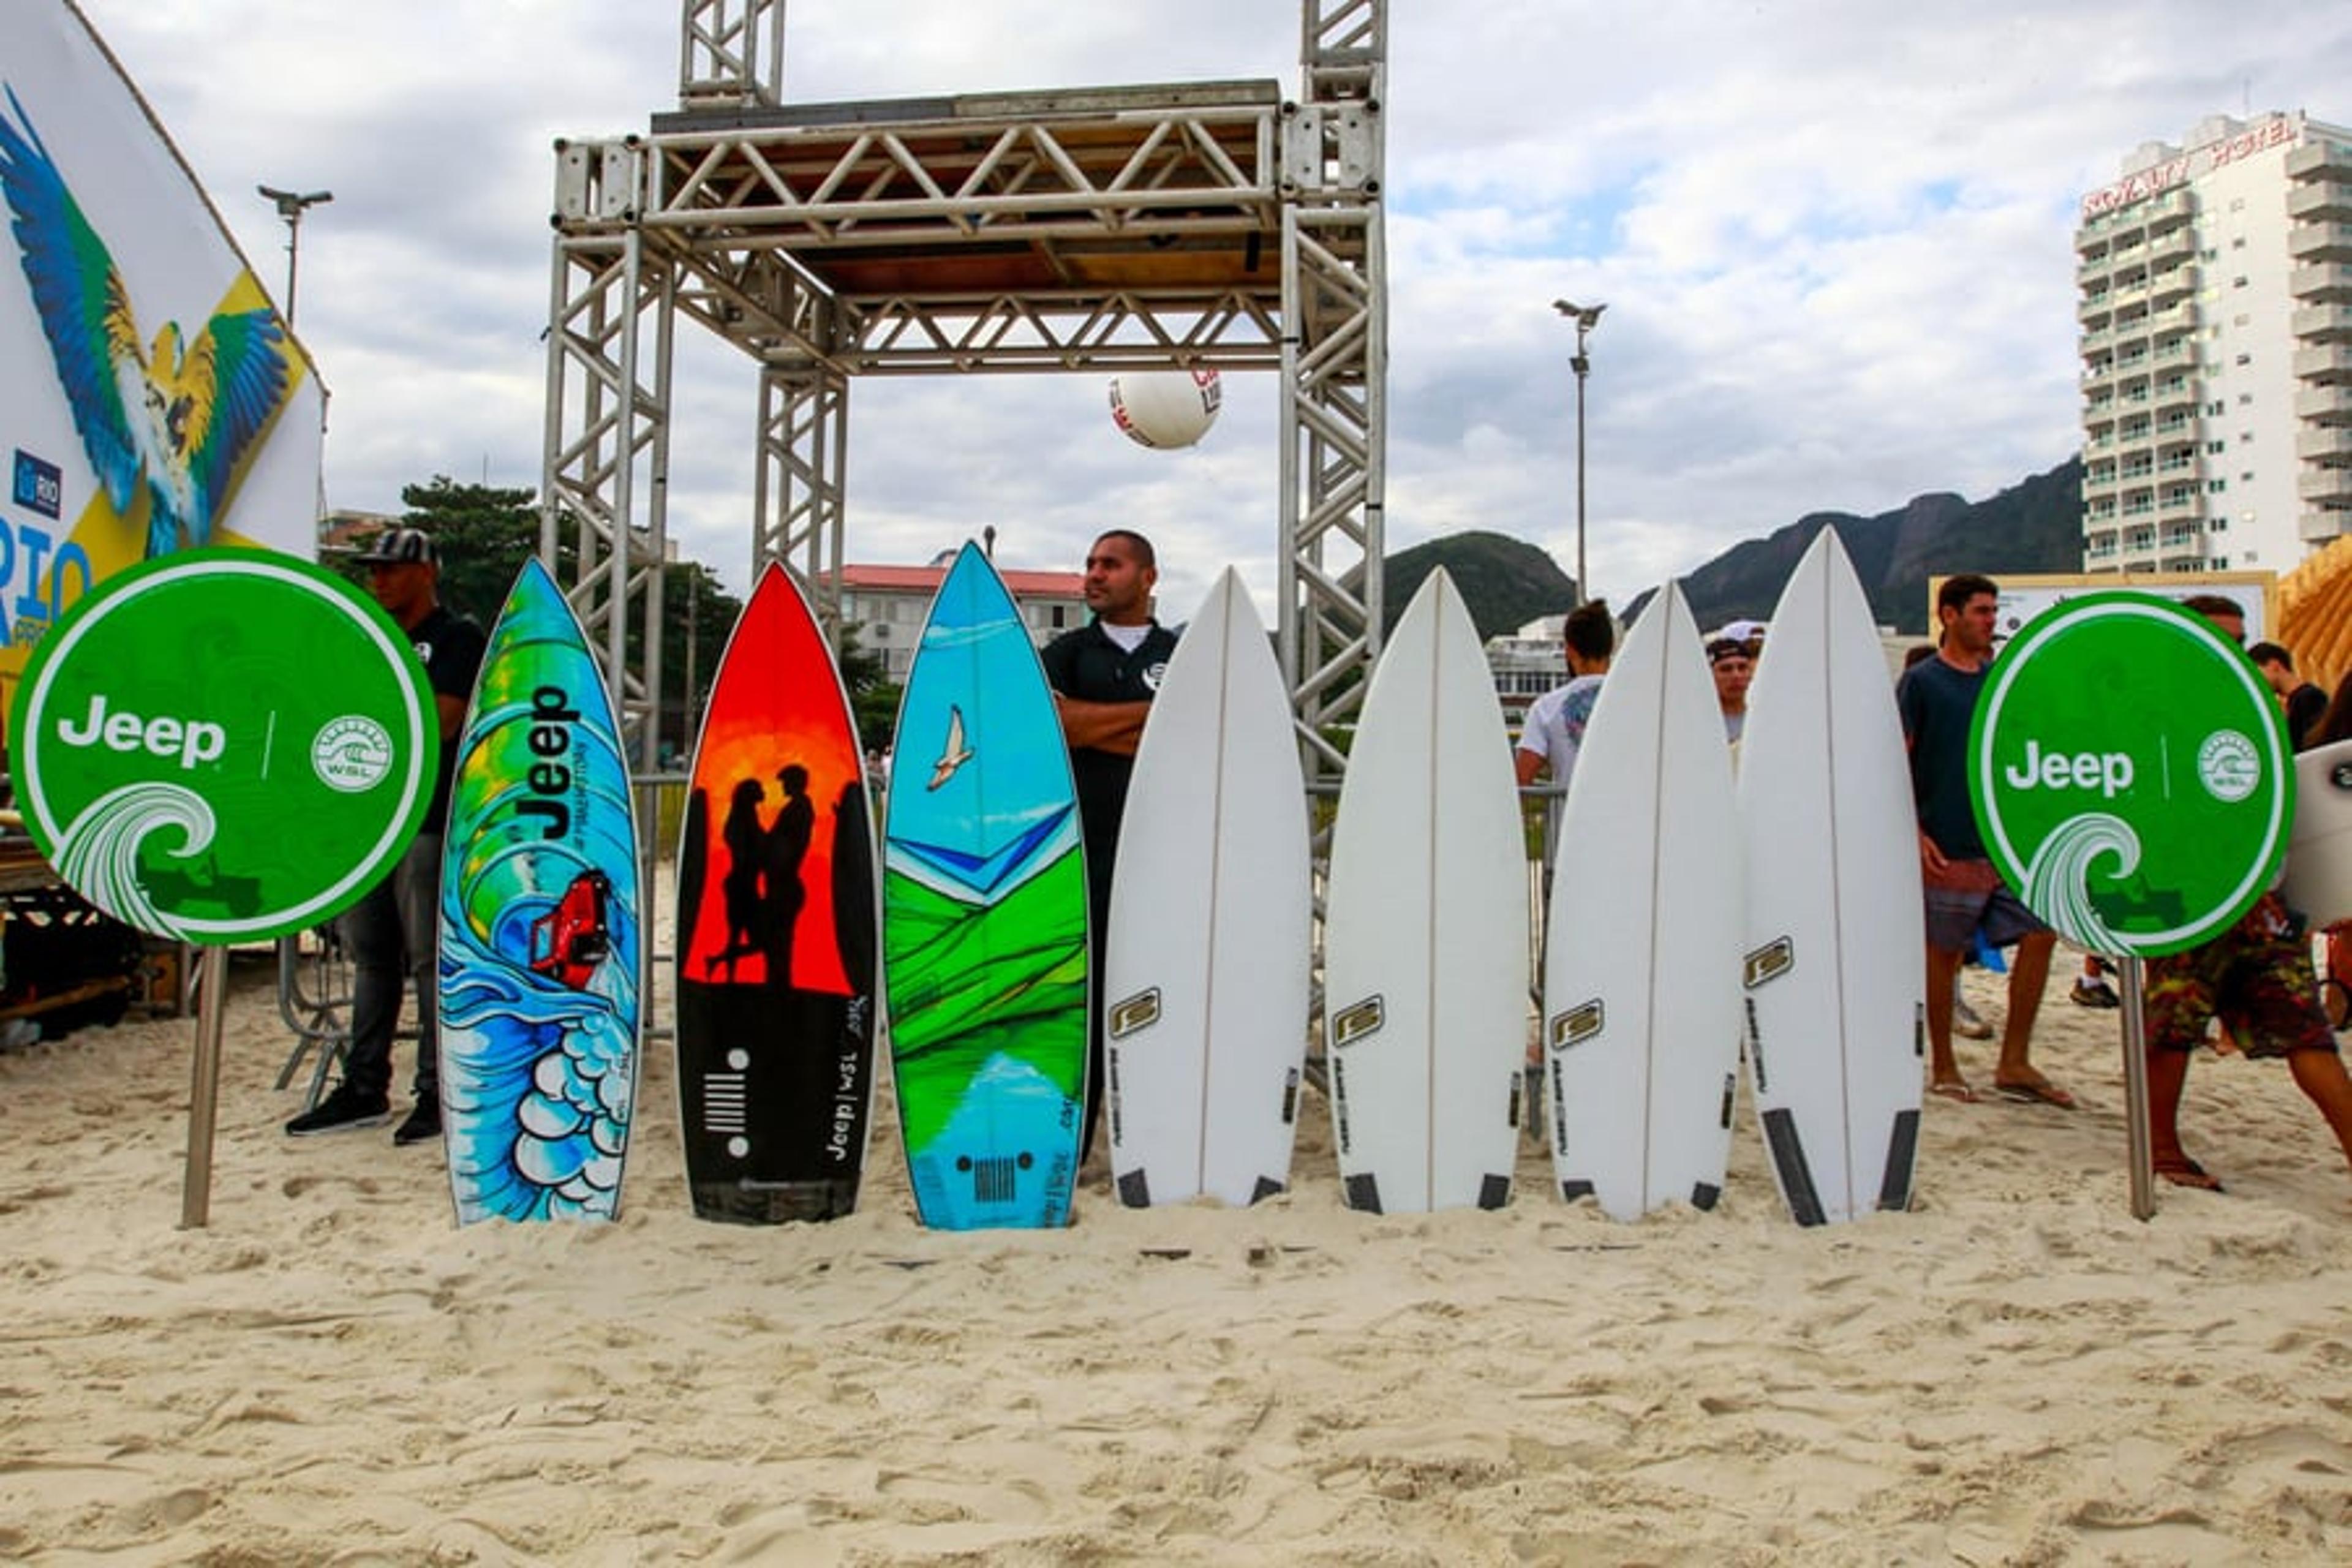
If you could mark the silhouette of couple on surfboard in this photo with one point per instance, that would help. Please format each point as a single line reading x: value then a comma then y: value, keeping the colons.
x: 762, y: 888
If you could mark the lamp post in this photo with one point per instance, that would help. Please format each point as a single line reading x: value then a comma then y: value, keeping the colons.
x: 291, y: 207
x: 1586, y: 318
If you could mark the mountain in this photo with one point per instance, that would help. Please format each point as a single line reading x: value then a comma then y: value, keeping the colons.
x: 2034, y: 526
x: 1505, y: 583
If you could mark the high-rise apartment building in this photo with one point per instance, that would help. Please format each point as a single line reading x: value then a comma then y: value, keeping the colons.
x: 2216, y: 316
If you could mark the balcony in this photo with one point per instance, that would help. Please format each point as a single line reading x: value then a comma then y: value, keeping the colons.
x: 2324, y: 443
x: 2329, y: 486
x: 2328, y: 364
x: 2174, y: 246
x: 2320, y: 242
x: 2173, y: 283
x: 2326, y: 202
x: 2319, y: 524
x: 2323, y: 321
x: 2179, y: 506
x: 2324, y: 405
x: 2321, y: 282
x: 2320, y: 163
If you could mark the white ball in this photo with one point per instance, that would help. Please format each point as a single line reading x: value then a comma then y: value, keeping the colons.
x: 1165, y: 408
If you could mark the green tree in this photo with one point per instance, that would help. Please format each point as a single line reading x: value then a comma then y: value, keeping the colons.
x: 484, y: 533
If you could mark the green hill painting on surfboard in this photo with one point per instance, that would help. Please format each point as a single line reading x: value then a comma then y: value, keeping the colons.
x: 984, y: 921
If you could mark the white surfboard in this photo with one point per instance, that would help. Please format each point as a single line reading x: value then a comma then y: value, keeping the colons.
x: 1426, y: 930
x: 1205, y: 974
x: 1642, y: 1014
x: 1834, y: 973
x: 2319, y: 846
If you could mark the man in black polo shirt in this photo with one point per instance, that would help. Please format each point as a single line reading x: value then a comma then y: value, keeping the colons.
x: 1103, y: 677
x: 390, y: 932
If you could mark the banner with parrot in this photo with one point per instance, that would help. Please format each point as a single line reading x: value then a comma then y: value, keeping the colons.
x: 153, y: 400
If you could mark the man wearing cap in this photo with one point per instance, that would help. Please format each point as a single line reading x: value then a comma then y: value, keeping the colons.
x: 389, y: 933
x: 1731, y: 659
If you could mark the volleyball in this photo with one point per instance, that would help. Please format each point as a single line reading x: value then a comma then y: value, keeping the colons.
x: 1165, y: 408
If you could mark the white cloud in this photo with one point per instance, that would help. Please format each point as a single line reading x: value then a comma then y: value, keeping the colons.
x: 1834, y: 235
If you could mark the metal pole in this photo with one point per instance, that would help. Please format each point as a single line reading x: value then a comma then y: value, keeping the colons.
x: 1583, y: 367
x: 1585, y: 317
x: 204, y: 1089
x: 2136, y: 1116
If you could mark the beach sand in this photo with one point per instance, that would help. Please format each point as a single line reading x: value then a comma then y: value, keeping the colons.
x: 2015, y: 1372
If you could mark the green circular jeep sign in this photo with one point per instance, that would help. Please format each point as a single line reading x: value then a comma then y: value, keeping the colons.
x: 2131, y: 773
x: 224, y: 745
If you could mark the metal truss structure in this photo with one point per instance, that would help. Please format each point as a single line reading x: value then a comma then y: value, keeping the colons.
x: 1203, y: 224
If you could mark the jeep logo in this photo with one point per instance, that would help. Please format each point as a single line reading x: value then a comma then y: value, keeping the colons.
x: 2107, y: 772
x: 194, y: 740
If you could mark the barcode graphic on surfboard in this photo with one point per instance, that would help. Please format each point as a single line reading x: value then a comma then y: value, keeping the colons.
x: 723, y: 1103
x: 991, y: 1181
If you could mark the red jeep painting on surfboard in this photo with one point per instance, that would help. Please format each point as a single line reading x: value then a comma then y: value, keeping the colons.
x: 571, y: 939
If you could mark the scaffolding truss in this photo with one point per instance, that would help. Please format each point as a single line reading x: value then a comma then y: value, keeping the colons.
x: 1174, y: 226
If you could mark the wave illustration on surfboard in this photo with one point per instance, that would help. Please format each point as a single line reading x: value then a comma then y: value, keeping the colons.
x: 984, y: 928
x: 539, y: 929
x: 777, y: 929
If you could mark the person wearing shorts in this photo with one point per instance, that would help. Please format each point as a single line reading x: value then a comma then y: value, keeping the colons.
x: 1936, y: 698
x: 2256, y: 979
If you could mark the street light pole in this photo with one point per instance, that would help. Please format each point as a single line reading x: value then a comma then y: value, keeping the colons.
x: 290, y: 208
x: 1586, y: 318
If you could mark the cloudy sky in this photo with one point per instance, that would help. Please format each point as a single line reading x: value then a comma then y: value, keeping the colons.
x: 1835, y: 239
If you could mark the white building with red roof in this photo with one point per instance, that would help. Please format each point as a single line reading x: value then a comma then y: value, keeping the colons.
x: 887, y: 605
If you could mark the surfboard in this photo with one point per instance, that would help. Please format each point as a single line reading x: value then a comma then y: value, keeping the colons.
x: 777, y: 928
x: 984, y: 920
x: 1426, y: 930
x: 539, y: 929
x: 1205, y: 974
x: 1832, y: 972
x: 1642, y: 1014
x: 2319, y: 846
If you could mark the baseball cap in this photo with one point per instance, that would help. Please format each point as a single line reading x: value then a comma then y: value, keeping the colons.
x: 400, y: 547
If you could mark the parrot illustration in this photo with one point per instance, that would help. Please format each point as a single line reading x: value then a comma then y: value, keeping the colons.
x: 178, y: 416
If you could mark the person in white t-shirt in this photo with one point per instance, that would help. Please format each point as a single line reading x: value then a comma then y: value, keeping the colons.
x: 1554, y: 730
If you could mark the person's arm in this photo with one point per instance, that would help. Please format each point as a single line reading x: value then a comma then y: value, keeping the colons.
x: 1113, y: 727
x: 1531, y: 765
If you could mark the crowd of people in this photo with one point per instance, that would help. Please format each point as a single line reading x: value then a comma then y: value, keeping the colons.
x: 2253, y: 991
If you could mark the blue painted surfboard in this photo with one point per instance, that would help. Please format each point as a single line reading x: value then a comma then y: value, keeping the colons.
x: 538, y: 942
x: 984, y: 921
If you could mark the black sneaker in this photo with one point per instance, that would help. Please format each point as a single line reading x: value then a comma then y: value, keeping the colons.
x: 422, y: 1123
x: 346, y: 1110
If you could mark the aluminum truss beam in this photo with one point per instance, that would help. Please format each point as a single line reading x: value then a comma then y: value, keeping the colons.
x: 732, y: 53
x: 605, y: 474
x: 1199, y: 225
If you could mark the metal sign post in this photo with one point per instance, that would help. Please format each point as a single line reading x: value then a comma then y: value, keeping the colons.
x: 204, y: 1089
x: 2136, y: 1126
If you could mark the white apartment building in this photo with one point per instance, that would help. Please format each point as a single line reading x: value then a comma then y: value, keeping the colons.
x: 2216, y: 317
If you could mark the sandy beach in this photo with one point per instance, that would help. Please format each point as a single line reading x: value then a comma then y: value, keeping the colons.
x: 2015, y: 1372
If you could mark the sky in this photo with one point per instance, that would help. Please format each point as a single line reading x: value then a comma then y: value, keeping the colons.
x: 1833, y: 236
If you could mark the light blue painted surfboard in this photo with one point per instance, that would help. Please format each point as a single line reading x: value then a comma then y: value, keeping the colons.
x: 984, y: 921
x: 539, y: 929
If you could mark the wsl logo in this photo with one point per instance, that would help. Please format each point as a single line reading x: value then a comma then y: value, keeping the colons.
x: 2130, y: 773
